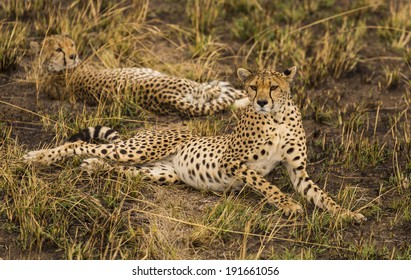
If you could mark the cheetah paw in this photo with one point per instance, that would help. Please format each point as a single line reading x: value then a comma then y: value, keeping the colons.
x: 356, y: 217
x: 291, y: 208
x: 94, y: 164
x: 359, y: 218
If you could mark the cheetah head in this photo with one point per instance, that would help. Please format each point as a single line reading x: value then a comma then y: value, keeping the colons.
x: 268, y: 90
x: 57, y: 53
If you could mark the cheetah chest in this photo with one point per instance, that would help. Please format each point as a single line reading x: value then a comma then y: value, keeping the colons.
x: 265, y: 154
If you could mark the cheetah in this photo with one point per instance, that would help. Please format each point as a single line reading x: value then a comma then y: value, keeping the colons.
x: 62, y: 75
x: 269, y: 132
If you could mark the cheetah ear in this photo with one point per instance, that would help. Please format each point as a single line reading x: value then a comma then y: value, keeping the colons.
x: 65, y: 34
x: 35, y: 47
x: 290, y: 73
x: 243, y: 74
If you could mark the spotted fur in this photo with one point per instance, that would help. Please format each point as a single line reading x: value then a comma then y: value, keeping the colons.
x: 63, y: 78
x: 269, y: 132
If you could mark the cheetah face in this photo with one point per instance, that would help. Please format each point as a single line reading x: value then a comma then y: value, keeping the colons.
x: 268, y: 90
x: 58, y: 53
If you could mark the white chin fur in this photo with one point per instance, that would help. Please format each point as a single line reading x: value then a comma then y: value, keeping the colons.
x: 260, y: 110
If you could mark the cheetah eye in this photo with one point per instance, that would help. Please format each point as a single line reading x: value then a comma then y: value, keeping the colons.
x: 59, y: 50
x: 253, y: 88
x: 272, y: 88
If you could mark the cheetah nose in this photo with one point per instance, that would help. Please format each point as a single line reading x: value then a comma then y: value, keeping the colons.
x: 262, y: 102
x: 72, y: 57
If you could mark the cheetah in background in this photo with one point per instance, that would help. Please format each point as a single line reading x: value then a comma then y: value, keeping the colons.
x: 269, y: 132
x: 62, y: 76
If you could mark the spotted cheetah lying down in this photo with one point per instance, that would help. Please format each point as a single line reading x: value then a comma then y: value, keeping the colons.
x: 270, y: 131
x: 63, y: 75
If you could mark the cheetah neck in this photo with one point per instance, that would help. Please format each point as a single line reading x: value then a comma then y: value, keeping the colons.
x: 57, y: 78
x: 63, y: 84
x: 54, y: 85
x: 266, y: 123
x: 67, y: 73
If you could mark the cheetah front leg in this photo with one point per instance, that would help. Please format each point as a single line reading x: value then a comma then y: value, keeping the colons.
x: 261, y: 185
x: 296, y: 168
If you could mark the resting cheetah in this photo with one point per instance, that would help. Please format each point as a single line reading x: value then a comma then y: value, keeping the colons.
x: 270, y: 131
x: 63, y: 75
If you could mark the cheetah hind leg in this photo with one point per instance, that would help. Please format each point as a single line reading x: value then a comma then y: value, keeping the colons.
x: 159, y: 172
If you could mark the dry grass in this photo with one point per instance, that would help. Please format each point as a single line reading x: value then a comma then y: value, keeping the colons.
x: 353, y: 89
x: 12, y: 40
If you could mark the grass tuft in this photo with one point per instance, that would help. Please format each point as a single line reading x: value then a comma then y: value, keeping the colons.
x: 12, y: 41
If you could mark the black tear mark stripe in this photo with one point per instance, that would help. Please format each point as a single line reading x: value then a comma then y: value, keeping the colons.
x: 271, y: 96
x: 64, y: 57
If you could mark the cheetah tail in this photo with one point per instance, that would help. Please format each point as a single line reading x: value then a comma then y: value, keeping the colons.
x: 95, y: 132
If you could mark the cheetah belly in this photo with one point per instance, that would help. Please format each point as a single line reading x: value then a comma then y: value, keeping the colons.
x: 197, y: 165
